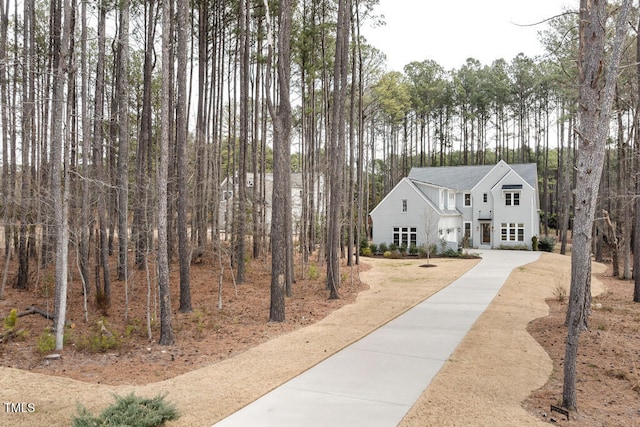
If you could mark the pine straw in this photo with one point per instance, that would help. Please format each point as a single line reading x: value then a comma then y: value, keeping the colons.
x: 496, y: 366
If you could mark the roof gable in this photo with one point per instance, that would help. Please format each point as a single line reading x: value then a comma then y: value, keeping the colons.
x: 412, y: 186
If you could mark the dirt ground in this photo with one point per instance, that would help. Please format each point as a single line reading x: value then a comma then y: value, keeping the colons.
x: 224, y: 359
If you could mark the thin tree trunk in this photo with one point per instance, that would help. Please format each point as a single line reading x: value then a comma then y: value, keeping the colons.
x: 60, y: 177
x: 184, y: 253
x: 281, y: 165
x: 636, y: 241
x: 336, y: 148
x: 26, y: 140
x: 123, y: 142
x: 241, y: 218
x: 596, y: 99
x: 83, y: 251
x: 166, y: 329
x: 143, y: 157
x: 103, y: 296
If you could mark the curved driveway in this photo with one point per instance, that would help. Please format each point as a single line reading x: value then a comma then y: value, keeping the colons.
x: 376, y: 380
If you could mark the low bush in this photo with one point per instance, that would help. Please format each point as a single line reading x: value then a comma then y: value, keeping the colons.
x: 373, y: 248
x: 387, y: 254
x: 547, y: 244
x: 422, y: 251
x: 99, y: 340
x: 383, y: 247
x: 396, y: 254
x: 364, y: 243
x: 46, y: 342
x: 11, y: 320
x: 130, y: 410
x: 366, y: 252
x: 450, y: 253
x: 313, y: 272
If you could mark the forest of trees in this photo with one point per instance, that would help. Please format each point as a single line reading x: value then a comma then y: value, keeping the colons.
x: 119, y: 121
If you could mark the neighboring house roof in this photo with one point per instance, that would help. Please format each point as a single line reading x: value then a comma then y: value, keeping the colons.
x: 463, y: 178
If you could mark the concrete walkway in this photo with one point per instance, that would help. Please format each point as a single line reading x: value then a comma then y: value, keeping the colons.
x: 375, y: 381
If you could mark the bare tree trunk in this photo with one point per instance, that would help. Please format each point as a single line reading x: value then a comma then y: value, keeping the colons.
x: 26, y: 139
x: 199, y: 217
x: 636, y: 240
x: 281, y: 164
x: 166, y: 329
x: 336, y: 148
x: 184, y: 253
x: 83, y: 251
x: 596, y: 99
x: 59, y: 155
x: 241, y: 218
x: 143, y: 157
x: 103, y: 296
x: 565, y: 184
x: 123, y: 141
x: 256, y: 219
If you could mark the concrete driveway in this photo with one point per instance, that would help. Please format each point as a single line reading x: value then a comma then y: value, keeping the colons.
x: 376, y: 380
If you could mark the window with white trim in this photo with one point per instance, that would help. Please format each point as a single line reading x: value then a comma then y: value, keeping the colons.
x: 441, y: 194
x: 405, y: 236
x: 467, y: 231
x: 512, y: 232
x: 404, y: 205
x: 485, y: 197
x: 452, y: 200
x: 467, y: 200
x: 512, y: 198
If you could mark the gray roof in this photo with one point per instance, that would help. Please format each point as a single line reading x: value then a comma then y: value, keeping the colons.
x: 463, y: 178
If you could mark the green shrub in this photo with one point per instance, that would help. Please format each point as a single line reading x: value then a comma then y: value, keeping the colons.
x: 373, y: 248
x: 534, y: 243
x: 313, y: 272
x: 383, y: 247
x: 387, y: 254
x: 130, y: 410
x: 46, y: 342
x: 422, y: 251
x: 366, y: 252
x: 99, y: 340
x: 11, y: 320
x: 547, y: 244
x: 396, y: 254
x: 393, y: 247
x: 450, y: 253
x: 413, y: 250
x: 443, y: 245
x: 364, y: 243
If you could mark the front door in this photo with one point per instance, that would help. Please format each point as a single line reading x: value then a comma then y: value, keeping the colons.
x: 486, y: 233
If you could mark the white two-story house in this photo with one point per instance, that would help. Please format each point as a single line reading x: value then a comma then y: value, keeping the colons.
x: 494, y: 206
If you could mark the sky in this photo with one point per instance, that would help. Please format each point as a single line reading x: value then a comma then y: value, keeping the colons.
x: 450, y: 31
